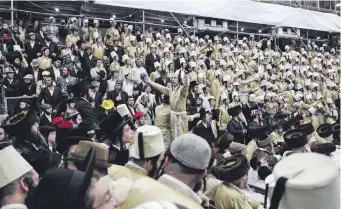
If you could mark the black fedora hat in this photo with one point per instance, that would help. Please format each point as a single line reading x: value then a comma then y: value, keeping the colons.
x: 308, y: 128
x: 45, y: 130
x: 113, y: 123
x: 42, y: 160
x: 233, y: 111
x: 80, y: 87
x: 63, y: 188
x: 20, y: 124
x: 12, y: 56
x: 66, y: 137
x: 280, y: 115
x: 295, y: 138
x: 260, y: 132
x: 325, y: 130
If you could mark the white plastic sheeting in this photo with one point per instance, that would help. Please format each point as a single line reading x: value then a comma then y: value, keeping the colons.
x: 243, y: 11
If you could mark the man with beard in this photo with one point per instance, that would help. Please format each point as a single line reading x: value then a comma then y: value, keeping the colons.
x: 46, y: 118
x: 52, y: 46
x: 17, y: 180
x: 131, y: 106
x: 65, y: 80
x: 118, y: 95
x: 204, y: 128
x: 28, y: 87
x: 50, y: 94
x: 77, y: 70
x: 146, y: 153
x: 19, y: 71
x: 55, y: 70
x: 237, y: 125
x: 231, y: 193
x: 83, y: 93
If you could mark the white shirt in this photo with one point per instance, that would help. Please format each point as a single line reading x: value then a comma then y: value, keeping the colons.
x: 32, y: 44
x: 137, y: 71
x: 48, y: 117
x: 205, y: 102
x: 111, y: 84
x: 14, y: 206
x: 56, y: 73
x: 128, y: 87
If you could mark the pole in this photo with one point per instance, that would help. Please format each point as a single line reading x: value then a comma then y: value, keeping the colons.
x: 237, y: 30
x: 12, y: 14
x: 144, y: 23
x: 180, y: 25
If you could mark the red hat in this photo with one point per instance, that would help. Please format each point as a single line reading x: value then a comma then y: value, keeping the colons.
x: 57, y: 120
x: 65, y: 124
x: 137, y: 115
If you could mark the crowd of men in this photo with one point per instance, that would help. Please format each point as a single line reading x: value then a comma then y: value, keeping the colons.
x: 124, y: 118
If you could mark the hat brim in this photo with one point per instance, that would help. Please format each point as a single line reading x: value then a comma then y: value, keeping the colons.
x: 79, y: 159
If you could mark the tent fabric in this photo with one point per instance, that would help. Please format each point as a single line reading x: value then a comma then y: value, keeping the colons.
x: 243, y: 11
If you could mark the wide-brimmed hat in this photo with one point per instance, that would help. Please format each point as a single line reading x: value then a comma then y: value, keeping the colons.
x: 107, y: 104
x: 42, y: 160
x: 233, y: 111
x: 308, y: 128
x: 67, y: 136
x: 102, y: 153
x: 113, y: 123
x: 20, y: 124
x: 12, y: 56
x: 80, y: 87
x: 259, y: 132
x: 63, y: 188
x: 325, y: 130
x: 232, y: 168
x: 295, y: 138
x: 46, y: 130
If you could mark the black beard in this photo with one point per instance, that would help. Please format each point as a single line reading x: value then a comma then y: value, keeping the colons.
x: 16, y: 65
x: 48, y: 39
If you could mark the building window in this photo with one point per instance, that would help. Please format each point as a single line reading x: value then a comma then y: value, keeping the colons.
x: 219, y: 23
x: 207, y: 22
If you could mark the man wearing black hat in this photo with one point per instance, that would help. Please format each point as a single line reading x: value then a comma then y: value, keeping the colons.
x: 233, y: 172
x: 162, y: 80
x: 119, y: 131
x: 16, y: 59
x: 83, y: 92
x: 194, y: 110
x: 204, y: 128
x: 296, y: 141
x: 62, y: 188
x: 193, y: 92
x: 237, y: 126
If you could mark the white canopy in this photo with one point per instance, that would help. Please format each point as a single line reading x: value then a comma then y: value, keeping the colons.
x: 244, y: 11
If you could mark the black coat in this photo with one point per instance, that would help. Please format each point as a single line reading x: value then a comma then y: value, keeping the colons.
x: 53, y: 47
x: 40, y: 39
x: 119, y: 51
x: 31, y: 52
x: 161, y: 82
x: 118, y: 157
x: 53, y: 99
x: 192, y: 98
x: 193, y: 110
x: 25, y: 90
x: 20, y: 74
x: 205, y: 132
x: 85, y: 109
x: 87, y: 63
x: 149, y: 62
x: 12, y: 89
x: 44, y: 121
x: 236, y: 129
x: 113, y: 94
